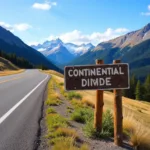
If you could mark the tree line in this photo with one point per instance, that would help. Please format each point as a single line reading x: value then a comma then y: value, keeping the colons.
x: 20, y: 61
x: 138, y: 90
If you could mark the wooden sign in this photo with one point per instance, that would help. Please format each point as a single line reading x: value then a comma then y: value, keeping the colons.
x: 94, y: 77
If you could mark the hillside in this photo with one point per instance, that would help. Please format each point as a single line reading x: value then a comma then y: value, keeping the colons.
x: 132, y: 48
x: 9, y: 43
x: 135, y: 113
x: 7, y: 65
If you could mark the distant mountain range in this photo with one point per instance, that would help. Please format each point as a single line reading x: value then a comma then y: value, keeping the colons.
x: 10, y: 43
x: 132, y: 48
x: 62, y: 53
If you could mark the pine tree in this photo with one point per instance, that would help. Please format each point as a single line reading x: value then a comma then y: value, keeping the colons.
x: 133, y: 82
x: 147, y: 89
x: 138, y: 91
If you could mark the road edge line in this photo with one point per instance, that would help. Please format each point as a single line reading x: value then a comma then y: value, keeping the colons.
x: 2, y: 119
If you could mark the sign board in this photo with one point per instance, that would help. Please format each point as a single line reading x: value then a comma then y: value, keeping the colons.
x: 94, y: 77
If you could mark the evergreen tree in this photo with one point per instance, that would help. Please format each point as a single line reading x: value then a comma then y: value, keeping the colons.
x: 147, y: 89
x: 138, y: 91
x: 130, y: 93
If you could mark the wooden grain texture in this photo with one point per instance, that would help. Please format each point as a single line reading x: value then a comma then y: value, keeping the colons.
x: 98, y: 106
x: 118, y: 116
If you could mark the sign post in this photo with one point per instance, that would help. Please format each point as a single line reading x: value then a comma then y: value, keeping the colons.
x: 98, y: 106
x: 118, y: 117
x: 97, y: 77
x: 101, y: 77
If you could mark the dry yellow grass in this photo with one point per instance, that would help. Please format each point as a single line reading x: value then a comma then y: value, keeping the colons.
x: 10, y: 72
x: 140, y: 110
x: 139, y: 136
x: 67, y: 132
x: 68, y: 144
x: 136, y: 121
x: 54, y: 73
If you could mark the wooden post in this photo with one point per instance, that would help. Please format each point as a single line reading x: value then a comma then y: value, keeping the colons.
x: 118, y: 117
x: 98, y: 106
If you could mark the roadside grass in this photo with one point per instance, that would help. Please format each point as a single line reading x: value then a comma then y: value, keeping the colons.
x: 138, y: 136
x: 50, y: 110
x: 54, y: 73
x: 59, y: 134
x: 53, y: 99
x: 10, y: 72
x: 82, y: 114
x: 74, y: 95
x: 68, y: 144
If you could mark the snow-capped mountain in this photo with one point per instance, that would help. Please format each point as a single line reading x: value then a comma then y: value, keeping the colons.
x: 78, y: 50
x: 60, y: 52
x: 47, y: 45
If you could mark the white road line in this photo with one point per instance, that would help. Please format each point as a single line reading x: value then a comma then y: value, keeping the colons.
x: 20, y: 102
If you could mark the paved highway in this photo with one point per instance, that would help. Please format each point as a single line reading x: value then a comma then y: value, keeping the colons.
x: 21, y: 99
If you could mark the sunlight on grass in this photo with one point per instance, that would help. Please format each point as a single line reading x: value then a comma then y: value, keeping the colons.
x: 10, y: 72
x: 135, y: 125
x: 137, y: 134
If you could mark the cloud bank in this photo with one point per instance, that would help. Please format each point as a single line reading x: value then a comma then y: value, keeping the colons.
x: 77, y: 37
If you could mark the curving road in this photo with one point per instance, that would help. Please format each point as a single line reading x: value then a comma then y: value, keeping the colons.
x: 21, y: 99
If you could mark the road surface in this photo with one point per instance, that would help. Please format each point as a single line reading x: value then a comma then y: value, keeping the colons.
x: 21, y: 99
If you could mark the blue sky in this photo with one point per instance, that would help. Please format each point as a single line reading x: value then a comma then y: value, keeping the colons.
x: 77, y: 21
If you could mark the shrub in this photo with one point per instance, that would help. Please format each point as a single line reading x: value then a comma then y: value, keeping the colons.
x: 66, y: 132
x: 82, y: 115
x: 72, y: 95
x: 53, y: 102
x: 54, y: 121
x: 107, y: 127
x: 77, y: 104
x: 50, y: 110
x: 68, y: 144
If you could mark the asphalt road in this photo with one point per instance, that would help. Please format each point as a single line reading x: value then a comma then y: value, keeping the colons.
x: 21, y: 99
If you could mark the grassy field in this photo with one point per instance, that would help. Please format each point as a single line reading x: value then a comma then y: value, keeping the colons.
x: 136, y: 114
x: 7, y: 68
x: 10, y: 72
x: 139, y: 110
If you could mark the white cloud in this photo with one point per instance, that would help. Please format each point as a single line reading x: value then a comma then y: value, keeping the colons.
x: 6, y: 26
x: 44, y: 6
x: 22, y: 27
x: 146, y: 13
x: 16, y: 27
x: 78, y: 37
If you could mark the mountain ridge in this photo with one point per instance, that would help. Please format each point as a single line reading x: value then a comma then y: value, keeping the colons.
x: 68, y: 50
x: 132, y: 48
x: 9, y: 43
